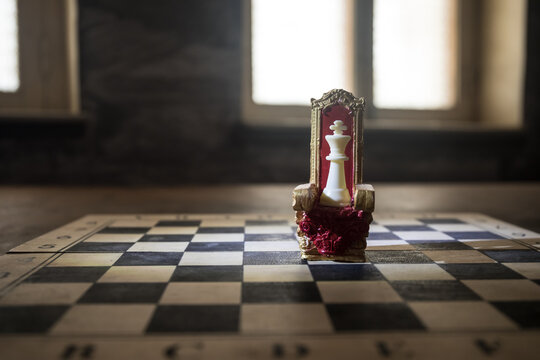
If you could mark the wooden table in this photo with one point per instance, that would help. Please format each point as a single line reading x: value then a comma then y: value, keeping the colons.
x: 27, y: 212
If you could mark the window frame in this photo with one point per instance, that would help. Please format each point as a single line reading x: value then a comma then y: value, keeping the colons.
x: 288, y: 115
x: 255, y: 114
x: 48, y: 59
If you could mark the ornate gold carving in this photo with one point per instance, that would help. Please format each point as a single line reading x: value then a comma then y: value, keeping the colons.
x: 339, y: 96
x: 356, y: 106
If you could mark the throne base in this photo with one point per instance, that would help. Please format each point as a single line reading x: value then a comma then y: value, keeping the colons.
x: 356, y: 253
x: 357, y: 258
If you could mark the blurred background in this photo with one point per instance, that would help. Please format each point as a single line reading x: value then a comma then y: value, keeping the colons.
x: 217, y: 91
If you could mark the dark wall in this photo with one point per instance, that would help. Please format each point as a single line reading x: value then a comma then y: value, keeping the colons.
x: 163, y: 82
x: 528, y: 164
x: 160, y: 90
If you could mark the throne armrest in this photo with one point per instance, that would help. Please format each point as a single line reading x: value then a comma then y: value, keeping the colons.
x: 305, y: 196
x: 364, y: 197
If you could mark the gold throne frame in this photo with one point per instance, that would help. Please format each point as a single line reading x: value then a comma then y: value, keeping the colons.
x: 354, y: 104
x: 306, y: 196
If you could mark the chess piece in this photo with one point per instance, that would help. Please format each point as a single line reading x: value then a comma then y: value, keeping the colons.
x: 331, y: 224
x: 336, y: 193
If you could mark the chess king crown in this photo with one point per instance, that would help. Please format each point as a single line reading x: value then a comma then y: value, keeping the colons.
x: 333, y: 211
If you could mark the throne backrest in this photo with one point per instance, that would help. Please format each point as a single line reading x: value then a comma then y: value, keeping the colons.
x: 336, y: 105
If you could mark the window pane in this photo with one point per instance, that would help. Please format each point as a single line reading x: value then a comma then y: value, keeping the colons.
x: 300, y: 49
x: 9, y: 46
x: 414, y: 54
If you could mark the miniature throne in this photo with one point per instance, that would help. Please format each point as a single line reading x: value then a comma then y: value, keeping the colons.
x: 333, y: 211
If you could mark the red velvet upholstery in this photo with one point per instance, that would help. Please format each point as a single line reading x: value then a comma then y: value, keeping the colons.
x: 329, y: 115
x: 334, y: 230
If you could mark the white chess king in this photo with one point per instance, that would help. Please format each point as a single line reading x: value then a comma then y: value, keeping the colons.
x: 336, y: 193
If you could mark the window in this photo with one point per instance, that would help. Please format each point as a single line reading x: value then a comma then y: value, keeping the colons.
x: 291, y: 42
x: 411, y: 59
x: 9, y: 46
x: 38, y: 61
x: 414, y: 54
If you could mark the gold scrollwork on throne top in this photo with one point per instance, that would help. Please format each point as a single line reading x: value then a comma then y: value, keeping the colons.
x: 339, y: 96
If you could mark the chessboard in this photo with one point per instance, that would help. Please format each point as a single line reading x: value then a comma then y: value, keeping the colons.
x: 234, y: 286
